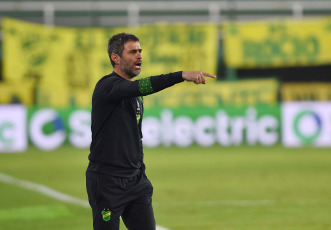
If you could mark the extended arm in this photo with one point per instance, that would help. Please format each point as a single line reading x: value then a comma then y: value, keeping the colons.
x: 150, y: 85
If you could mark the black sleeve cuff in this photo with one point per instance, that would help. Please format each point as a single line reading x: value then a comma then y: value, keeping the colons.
x: 178, y: 76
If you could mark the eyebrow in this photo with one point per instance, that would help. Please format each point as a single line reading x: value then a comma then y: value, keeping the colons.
x: 136, y: 50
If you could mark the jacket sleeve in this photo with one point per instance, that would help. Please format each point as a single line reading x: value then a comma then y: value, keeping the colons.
x: 124, y: 89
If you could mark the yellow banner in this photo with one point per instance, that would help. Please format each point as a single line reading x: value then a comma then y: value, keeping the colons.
x: 75, y: 58
x: 12, y: 94
x: 47, y: 96
x: 238, y: 93
x: 278, y: 43
x: 315, y: 91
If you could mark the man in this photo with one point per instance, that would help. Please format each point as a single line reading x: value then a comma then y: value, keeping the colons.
x: 115, y: 178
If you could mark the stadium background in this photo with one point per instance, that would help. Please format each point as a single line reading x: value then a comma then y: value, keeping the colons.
x: 247, y: 151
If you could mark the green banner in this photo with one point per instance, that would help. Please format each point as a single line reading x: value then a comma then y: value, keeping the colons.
x: 205, y: 126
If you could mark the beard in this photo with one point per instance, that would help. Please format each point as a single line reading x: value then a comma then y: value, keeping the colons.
x: 130, y: 73
x: 128, y: 69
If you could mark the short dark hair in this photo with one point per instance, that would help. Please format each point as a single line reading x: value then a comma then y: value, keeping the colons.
x: 116, y: 44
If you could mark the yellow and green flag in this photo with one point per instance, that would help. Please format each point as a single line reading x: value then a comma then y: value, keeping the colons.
x: 278, y: 43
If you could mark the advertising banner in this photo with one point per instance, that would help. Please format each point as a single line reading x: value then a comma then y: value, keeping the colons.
x: 11, y: 93
x: 278, y: 43
x: 13, y: 131
x: 293, y: 124
x: 48, y: 128
x: 301, y: 91
x: 239, y: 93
x: 75, y: 58
x: 47, y: 96
x: 306, y: 124
x: 224, y: 126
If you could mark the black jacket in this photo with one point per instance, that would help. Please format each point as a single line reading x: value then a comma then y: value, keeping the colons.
x: 117, y: 111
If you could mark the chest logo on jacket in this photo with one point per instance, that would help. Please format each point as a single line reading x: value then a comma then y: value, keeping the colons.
x: 138, y: 112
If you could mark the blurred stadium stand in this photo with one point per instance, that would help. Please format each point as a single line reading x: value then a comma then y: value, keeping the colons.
x: 85, y: 13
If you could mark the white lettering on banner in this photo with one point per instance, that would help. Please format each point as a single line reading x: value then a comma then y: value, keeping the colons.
x: 206, y: 130
x: 306, y: 123
x: 13, y: 136
x: 167, y: 135
x: 222, y: 121
x: 56, y: 133
x: 151, y: 132
x: 80, y: 126
x: 237, y: 128
x: 183, y: 127
x: 251, y: 124
x: 267, y: 123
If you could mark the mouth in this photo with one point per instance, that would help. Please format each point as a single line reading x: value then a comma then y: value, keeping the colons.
x: 138, y: 65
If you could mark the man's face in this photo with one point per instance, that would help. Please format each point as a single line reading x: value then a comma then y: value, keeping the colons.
x: 130, y: 62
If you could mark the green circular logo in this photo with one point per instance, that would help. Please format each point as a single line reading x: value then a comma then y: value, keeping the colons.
x: 307, y: 139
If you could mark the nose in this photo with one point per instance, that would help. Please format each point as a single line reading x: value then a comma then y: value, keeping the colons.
x: 140, y: 56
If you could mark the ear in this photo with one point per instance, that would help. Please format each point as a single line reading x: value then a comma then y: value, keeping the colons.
x: 115, y: 58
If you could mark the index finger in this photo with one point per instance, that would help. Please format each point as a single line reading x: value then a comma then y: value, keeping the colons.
x: 208, y: 75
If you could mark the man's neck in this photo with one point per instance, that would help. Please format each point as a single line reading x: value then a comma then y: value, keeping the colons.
x: 121, y: 74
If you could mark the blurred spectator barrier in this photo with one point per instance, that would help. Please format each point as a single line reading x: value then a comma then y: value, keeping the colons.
x: 64, y: 97
x: 300, y: 91
x: 278, y: 43
x: 17, y: 93
x: 239, y: 93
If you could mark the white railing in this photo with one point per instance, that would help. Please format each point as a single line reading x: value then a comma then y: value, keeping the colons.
x: 133, y: 8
